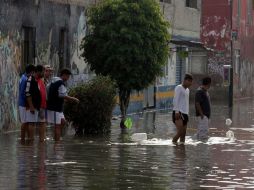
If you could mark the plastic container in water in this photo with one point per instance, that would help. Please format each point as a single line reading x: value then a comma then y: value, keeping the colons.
x: 230, y: 134
x: 138, y: 137
x: 228, y: 122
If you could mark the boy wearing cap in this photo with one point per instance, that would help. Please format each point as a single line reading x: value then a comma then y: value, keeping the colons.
x: 47, y: 74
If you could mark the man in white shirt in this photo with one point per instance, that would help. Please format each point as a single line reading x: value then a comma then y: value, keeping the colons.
x: 181, y: 108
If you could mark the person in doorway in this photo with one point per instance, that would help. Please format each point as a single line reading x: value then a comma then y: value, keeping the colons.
x: 181, y: 108
x: 39, y: 73
x: 33, y: 103
x: 57, y: 93
x: 203, y: 108
x: 22, y: 101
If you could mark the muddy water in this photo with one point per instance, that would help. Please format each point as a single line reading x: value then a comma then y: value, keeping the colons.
x: 114, y: 162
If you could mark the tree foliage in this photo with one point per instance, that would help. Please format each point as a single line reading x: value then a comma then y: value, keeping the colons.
x: 127, y: 40
x: 94, y: 112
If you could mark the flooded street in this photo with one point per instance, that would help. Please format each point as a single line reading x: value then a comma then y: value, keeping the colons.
x: 114, y: 162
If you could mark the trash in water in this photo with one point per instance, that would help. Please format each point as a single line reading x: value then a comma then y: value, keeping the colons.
x: 230, y: 135
x: 228, y: 122
x: 138, y: 137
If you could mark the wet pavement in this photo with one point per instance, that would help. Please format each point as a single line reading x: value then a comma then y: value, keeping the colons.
x: 114, y: 162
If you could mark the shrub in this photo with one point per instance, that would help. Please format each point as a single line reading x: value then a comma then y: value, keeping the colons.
x: 94, y: 112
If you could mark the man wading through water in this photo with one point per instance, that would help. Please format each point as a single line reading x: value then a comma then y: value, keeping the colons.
x: 203, y: 108
x: 181, y: 108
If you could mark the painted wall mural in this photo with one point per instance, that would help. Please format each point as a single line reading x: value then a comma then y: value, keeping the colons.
x: 47, y: 53
x: 79, y: 67
x: 10, y: 56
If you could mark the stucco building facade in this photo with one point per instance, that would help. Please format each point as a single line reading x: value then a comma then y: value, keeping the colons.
x: 227, y: 30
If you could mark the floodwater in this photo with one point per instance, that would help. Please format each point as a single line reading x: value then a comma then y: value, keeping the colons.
x: 114, y: 162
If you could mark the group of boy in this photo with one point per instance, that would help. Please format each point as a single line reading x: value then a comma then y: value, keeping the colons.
x: 41, y: 100
x: 180, y: 115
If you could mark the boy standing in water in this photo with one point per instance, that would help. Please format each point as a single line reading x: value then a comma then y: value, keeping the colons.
x: 57, y: 94
x: 22, y: 101
x: 39, y: 72
x: 203, y: 108
x: 181, y: 108
x: 33, y: 104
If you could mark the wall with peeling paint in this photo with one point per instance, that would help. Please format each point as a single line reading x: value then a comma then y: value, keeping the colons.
x: 243, y: 26
x: 10, y: 55
x: 216, y: 36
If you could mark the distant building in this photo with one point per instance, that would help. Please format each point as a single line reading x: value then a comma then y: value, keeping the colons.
x: 186, y: 50
x: 228, y: 31
x: 243, y: 47
x: 216, y: 36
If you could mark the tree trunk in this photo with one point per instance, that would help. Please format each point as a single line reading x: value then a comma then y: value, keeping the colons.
x: 124, y: 97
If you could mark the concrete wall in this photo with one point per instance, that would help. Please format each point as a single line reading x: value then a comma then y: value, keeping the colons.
x: 243, y: 26
x: 216, y: 36
x: 185, y: 21
x: 48, y: 18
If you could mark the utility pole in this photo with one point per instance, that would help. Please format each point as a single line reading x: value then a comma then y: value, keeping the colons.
x: 230, y: 90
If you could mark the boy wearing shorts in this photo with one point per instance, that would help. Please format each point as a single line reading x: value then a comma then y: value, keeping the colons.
x: 33, y: 103
x: 57, y: 93
x: 181, y: 108
x: 39, y: 72
x: 22, y: 101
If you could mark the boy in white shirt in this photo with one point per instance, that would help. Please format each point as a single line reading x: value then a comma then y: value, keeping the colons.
x: 181, y: 108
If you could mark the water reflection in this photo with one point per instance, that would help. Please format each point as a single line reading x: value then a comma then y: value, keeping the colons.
x: 179, y: 168
x: 42, y: 177
x: 113, y: 162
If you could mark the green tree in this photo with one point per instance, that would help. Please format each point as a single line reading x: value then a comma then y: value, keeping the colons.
x: 127, y: 40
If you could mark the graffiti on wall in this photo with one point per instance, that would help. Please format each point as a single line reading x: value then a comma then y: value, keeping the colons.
x: 246, y: 76
x: 77, y: 62
x: 47, y: 54
x: 10, y: 57
x: 79, y: 67
x: 216, y: 36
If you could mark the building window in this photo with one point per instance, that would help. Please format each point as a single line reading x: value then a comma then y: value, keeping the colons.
x: 192, y: 4
x: 165, y: 1
x: 28, y: 53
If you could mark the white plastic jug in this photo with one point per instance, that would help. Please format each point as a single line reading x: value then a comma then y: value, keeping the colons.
x: 228, y: 122
x: 138, y: 137
x: 230, y: 134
